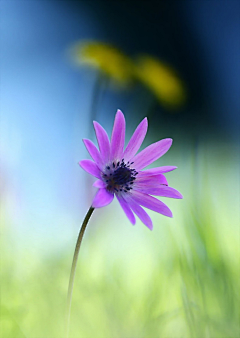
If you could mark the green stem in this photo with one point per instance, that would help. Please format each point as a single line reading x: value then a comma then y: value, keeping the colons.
x: 74, y: 264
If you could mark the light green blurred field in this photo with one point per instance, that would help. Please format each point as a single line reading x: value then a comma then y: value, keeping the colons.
x: 179, y: 281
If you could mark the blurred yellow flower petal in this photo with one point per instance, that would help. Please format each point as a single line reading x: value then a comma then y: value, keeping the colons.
x: 105, y: 58
x: 161, y: 80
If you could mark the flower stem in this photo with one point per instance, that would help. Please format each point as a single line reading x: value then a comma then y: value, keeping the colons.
x: 74, y: 264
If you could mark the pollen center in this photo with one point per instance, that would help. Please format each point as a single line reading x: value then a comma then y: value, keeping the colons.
x: 122, y: 176
x: 119, y: 176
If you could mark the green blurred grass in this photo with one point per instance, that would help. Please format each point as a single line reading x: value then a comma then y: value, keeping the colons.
x: 181, y: 280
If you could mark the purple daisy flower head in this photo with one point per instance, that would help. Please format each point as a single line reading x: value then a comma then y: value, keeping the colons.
x: 120, y: 171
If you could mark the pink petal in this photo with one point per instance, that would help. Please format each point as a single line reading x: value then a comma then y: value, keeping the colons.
x: 156, y: 171
x: 103, y: 141
x: 136, y: 140
x: 99, y: 184
x: 118, y: 137
x: 93, y: 152
x: 126, y: 209
x: 90, y: 167
x: 151, y: 153
x: 151, y: 203
x: 160, y: 191
x: 102, y: 198
x: 141, y: 213
x: 150, y: 181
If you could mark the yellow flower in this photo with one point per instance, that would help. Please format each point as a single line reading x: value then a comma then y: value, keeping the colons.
x: 106, y: 58
x: 161, y: 80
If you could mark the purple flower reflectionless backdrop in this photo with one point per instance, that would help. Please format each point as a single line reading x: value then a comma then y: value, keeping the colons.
x: 180, y: 279
x: 120, y: 172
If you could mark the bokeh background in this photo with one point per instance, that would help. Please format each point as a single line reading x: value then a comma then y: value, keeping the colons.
x: 64, y: 63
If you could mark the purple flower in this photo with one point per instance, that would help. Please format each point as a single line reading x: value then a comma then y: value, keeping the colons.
x: 119, y: 171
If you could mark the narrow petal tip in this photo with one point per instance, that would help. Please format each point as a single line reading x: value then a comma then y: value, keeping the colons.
x: 90, y: 167
x: 86, y: 141
x: 119, y: 112
x: 180, y: 196
x: 170, y: 140
x: 118, y: 136
x: 168, y: 213
x: 96, y: 124
x: 167, y: 142
x: 145, y: 122
x: 81, y: 163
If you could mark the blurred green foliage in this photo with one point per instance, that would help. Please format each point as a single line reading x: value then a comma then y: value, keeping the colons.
x: 180, y: 280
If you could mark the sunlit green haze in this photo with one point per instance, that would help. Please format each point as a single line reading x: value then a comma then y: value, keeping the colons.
x: 180, y: 280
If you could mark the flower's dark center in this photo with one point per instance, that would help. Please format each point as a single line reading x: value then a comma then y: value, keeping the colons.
x: 119, y: 176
